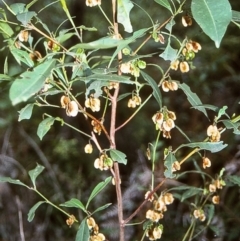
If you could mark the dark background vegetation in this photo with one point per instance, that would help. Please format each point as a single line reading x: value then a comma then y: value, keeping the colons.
x: 69, y: 171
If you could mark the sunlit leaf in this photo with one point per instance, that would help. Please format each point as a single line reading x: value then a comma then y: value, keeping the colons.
x: 32, y: 211
x: 192, y: 98
x: 13, y: 181
x: 100, y: 186
x: 74, y: 203
x: 118, y: 156
x: 153, y: 84
x: 208, y: 146
x: 123, y: 10
x: 83, y: 232
x: 213, y: 17
x: 168, y: 163
x: 35, y: 173
x: 30, y: 82
x: 44, y: 127
x: 165, y: 3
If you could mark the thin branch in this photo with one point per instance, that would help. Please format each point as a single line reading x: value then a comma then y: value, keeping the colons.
x: 144, y: 202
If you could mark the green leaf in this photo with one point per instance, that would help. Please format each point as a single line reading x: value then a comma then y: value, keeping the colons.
x: 213, y: 17
x: 234, y: 179
x: 22, y: 56
x: 165, y: 4
x: 156, y: 91
x: 236, y: 16
x: 83, y: 232
x: 26, y: 17
x: 170, y: 159
x: 102, y: 43
x: 13, y: 181
x: 222, y: 112
x: 4, y: 77
x: 74, y: 203
x: 192, y: 98
x: 100, y: 186
x: 31, y: 212
x: 230, y: 125
x: 6, y: 30
x: 169, y: 53
x: 208, y: 146
x: 102, y: 208
x: 26, y: 112
x: 118, y: 156
x: 44, y: 127
x: 209, y: 210
x: 123, y: 9
x: 192, y: 191
x: 30, y: 82
x: 34, y: 173
x: 18, y: 7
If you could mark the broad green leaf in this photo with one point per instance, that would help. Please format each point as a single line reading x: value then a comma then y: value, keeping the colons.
x: 236, y: 16
x: 213, y: 17
x: 208, y: 146
x: 6, y: 30
x: 118, y: 156
x: 153, y: 84
x: 18, y: 8
x: 123, y: 9
x: 192, y: 191
x: 4, y: 77
x: 74, y: 203
x: 22, y: 56
x: 102, y: 208
x: 44, y: 127
x: 30, y: 82
x: 169, y: 53
x: 234, y: 179
x: 35, y: 173
x: 192, y: 98
x: 26, y: 17
x: 100, y: 186
x: 13, y: 181
x: 32, y: 211
x: 26, y: 112
x: 165, y: 4
x: 83, y: 232
x: 230, y: 125
x: 170, y: 159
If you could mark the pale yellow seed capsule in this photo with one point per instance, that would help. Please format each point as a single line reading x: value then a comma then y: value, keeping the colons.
x: 23, y: 36
x: 206, y: 162
x: 88, y: 148
x: 184, y: 67
x: 216, y: 199
x: 72, y: 109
